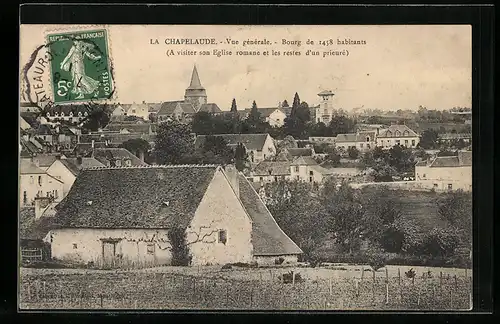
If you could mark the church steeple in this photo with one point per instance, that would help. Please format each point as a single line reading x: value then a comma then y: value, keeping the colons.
x: 195, y: 93
x: 195, y: 80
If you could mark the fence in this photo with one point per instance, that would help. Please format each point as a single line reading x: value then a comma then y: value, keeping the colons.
x: 30, y: 255
x: 143, y: 290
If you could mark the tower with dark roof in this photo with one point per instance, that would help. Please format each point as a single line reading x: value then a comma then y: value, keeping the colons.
x: 195, y: 93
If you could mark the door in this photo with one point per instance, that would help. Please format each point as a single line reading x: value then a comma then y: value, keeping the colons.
x: 108, y: 253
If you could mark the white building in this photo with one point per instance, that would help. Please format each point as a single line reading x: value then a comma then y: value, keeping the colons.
x: 325, y: 110
x: 446, y: 172
x: 397, y: 135
x: 35, y: 182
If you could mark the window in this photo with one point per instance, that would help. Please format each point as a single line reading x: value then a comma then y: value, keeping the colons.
x: 270, y: 172
x: 275, y: 178
x: 25, y: 198
x: 450, y: 186
x: 39, y: 180
x: 261, y: 179
x: 75, y: 246
x: 296, y: 168
x: 310, y: 179
x: 56, y: 194
x: 406, y: 142
x: 297, y: 177
x: 368, y: 145
x: 412, y: 142
x: 32, y: 180
x: 311, y: 173
x: 435, y: 185
x: 367, y: 139
x: 222, y: 236
x: 398, y: 142
x: 150, y: 248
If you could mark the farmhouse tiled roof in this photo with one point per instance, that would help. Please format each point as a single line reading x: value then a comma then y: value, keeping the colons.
x: 154, y: 106
x: 135, y: 197
x: 322, y: 170
x: 465, y: 158
x: 210, y: 107
x: 72, y: 164
x: 250, y: 141
x: 267, y: 237
x: 276, y: 168
x: 105, y: 155
x: 264, y: 112
x: 397, y: 131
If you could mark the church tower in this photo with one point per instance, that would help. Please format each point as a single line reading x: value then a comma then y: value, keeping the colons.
x: 195, y: 93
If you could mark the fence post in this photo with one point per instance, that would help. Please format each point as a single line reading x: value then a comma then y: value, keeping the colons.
x: 387, y: 292
x: 456, y: 284
x: 440, y: 278
x: 386, y: 274
x: 362, y: 273
x: 357, y: 288
x: 101, y: 300
x: 399, y: 276
x: 451, y: 298
x: 227, y: 295
x: 413, y: 280
x: 293, y: 279
x: 29, y: 292
x: 44, y: 290
x: 271, y: 274
x: 251, y: 296
x: 330, y: 286
x: 418, y: 296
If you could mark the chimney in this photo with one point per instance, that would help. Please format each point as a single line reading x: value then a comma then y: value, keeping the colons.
x: 41, y: 204
x: 232, y: 176
x: 79, y: 160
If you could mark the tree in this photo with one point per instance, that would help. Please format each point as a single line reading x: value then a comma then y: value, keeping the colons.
x: 240, y: 157
x: 254, y: 123
x: 353, y: 152
x: 181, y: 255
x: 456, y: 208
x: 344, y: 216
x: 428, y: 139
x: 332, y: 156
x: 137, y: 146
x: 297, y: 213
x: 287, y: 142
x: 174, y: 144
x: 300, y: 115
x: 341, y: 125
x: 234, y: 108
x: 99, y: 116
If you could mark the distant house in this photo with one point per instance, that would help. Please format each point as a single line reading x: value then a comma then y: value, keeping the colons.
x: 275, y: 116
x: 362, y: 141
x: 127, y: 128
x: 306, y: 169
x: 258, y: 146
x: 446, y: 172
x: 67, y: 169
x: 176, y: 110
x: 451, y: 138
x: 119, y: 216
x: 44, y: 161
x: 323, y: 139
x: 270, y: 171
x: 68, y: 113
x: 117, y: 157
x: 139, y: 110
x: 397, y: 135
x: 35, y: 182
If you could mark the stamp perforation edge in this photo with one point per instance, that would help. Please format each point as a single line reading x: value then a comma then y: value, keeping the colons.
x: 68, y: 29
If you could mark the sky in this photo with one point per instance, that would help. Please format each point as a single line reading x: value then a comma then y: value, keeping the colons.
x: 399, y: 67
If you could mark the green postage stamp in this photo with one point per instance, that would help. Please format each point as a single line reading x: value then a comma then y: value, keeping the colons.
x: 80, y: 69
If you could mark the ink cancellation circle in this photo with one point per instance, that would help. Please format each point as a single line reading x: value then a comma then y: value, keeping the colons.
x: 74, y: 66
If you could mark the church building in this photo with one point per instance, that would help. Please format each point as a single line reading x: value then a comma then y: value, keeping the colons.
x: 195, y: 100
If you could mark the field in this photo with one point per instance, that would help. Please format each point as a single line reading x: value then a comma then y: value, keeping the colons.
x: 339, y: 287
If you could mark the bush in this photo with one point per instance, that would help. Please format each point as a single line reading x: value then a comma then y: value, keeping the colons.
x: 279, y: 260
x: 287, y: 278
x: 180, y: 250
x: 440, y: 242
x: 392, y: 240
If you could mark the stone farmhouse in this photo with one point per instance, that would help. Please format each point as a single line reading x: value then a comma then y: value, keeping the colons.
x: 121, y: 216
